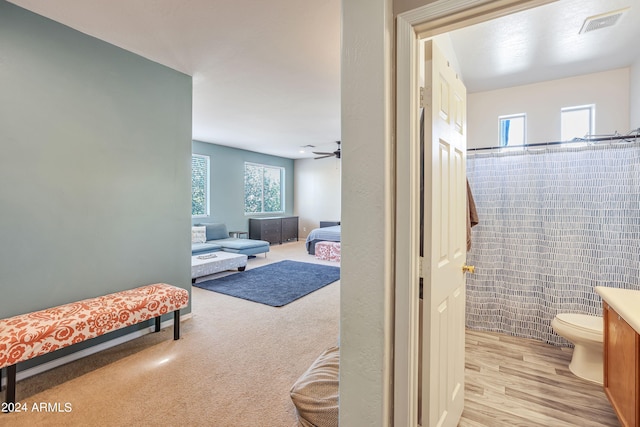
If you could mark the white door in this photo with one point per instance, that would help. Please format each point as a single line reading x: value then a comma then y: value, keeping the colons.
x: 444, y: 250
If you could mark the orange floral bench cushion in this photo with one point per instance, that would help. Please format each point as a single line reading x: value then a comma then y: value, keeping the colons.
x: 29, y: 335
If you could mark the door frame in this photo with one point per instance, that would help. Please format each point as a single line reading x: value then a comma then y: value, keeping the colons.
x: 412, y: 26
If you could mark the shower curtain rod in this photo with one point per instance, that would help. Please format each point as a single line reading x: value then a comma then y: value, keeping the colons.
x: 632, y: 135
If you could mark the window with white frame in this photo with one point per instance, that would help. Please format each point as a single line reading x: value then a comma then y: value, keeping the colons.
x: 199, y: 185
x: 263, y: 189
x: 577, y: 122
x: 512, y: 129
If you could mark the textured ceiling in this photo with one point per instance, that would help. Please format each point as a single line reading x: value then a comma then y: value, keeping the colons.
x: 266, y: 74
x: 544, y: 44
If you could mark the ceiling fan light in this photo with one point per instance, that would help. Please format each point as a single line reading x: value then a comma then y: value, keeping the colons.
x: 323, y: 155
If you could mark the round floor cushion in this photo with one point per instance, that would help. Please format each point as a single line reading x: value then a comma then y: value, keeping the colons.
x: 315, y: 393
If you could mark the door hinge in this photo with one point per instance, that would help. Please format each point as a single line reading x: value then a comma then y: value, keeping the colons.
x: 425, y: 96
x: 420, y: 276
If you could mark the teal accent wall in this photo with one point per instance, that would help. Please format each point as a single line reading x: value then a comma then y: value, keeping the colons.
x: 95, y: 167
x: 226, y: 191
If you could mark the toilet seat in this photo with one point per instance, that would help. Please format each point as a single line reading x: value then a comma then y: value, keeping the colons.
x: 591, y: 326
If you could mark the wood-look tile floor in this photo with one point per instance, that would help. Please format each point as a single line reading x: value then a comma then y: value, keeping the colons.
x: 514, y: 381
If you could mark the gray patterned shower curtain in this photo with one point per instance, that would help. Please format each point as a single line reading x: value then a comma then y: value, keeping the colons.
x: 554, y: 223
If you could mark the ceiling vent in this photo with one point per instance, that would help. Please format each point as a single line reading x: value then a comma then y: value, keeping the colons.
x: 603, y: 20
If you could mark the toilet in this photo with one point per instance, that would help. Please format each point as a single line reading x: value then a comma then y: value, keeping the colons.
x: 585, y: 333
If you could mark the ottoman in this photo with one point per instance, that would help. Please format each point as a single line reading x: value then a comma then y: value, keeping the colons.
x: 328, y: 251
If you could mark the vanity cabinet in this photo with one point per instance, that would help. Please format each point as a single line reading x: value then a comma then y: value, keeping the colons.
x: 622, y: 352
x: 274, y: 229
x: 621, y: 367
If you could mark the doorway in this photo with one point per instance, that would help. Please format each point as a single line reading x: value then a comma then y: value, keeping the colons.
x: 411, y: 28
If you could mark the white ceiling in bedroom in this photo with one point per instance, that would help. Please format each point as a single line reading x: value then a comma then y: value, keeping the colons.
x: 266, y: 75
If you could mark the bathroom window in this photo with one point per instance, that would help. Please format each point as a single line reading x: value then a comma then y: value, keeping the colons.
x: 577, y: 122
x: 512, y: 129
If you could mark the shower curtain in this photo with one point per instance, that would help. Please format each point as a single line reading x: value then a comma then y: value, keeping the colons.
x: 554, y: 223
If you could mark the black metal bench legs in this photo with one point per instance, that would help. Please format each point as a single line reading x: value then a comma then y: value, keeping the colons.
x: 10, y: 396
x: 176, y: 324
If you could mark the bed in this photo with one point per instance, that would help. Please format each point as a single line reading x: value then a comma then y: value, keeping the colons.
x: 322, y: 234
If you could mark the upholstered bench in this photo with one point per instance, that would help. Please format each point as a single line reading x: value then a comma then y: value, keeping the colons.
x: 26, y: 336
x: 328, y: 251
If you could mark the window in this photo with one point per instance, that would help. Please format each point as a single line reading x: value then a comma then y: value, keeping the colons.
x: 577, y: 122
x: 512, y: 129
x: 199, y: 185
x: 263, y: 191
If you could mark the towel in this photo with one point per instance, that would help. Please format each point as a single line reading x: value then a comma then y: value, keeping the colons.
x: 472, y: 217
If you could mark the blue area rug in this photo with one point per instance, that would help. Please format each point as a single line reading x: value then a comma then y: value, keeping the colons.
x: 275, y: 284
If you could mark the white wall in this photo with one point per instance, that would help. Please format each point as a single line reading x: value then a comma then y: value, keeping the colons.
x: 542, y: 102
x: 316, y: 192
x: 634, y: 93
x: 366, y: 290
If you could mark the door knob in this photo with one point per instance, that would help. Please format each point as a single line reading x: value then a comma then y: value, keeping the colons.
x: 468, y: 269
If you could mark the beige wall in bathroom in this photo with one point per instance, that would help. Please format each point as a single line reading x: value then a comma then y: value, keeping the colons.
x: 634, y: 95
x: 608, y: 90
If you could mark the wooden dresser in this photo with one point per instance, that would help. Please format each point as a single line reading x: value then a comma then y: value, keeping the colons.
x: 621, y: 312
x: 274, y: 229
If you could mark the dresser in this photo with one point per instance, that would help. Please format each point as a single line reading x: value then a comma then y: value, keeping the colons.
x: 621, y: 313
x: 274, y: 229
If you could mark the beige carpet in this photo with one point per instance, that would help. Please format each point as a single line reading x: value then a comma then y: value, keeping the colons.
x: 233, y: 366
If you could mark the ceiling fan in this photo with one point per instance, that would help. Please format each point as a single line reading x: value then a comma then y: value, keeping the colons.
x: 325, y: 155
